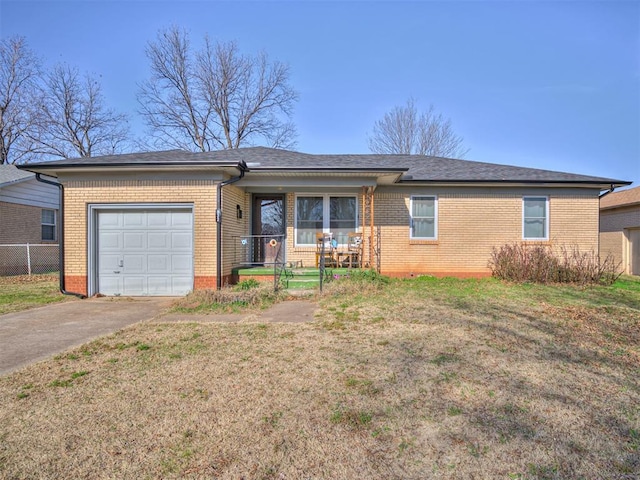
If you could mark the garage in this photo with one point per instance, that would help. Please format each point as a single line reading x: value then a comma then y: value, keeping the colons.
x: 142, y: 251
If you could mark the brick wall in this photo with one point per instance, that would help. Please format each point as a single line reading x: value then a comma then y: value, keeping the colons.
x: 78, y: 194
x: 616, y: 220
x: 233, y: 227
x: 20, y: 223
x: 471, y: 224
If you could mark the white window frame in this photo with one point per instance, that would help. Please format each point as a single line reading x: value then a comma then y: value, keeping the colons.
x: 435, y: 217
x: 54, y: 225
x: 326, y: 214
x: 546, y: 219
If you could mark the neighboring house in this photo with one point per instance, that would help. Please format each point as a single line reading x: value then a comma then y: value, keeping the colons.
x: 149, y: 224
x: 620, y: 228
x: 28, y: 214
x: 28, y: 208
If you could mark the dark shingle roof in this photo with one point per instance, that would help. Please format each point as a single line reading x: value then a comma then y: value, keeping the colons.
x: 415, y: 168
x: 10, y: 174
x: 419, y: 168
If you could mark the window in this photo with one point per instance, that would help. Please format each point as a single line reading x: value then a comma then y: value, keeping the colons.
x: 48, y: 223
x: 325, y: 213
x: 424, y: 223
x: 535, y: 219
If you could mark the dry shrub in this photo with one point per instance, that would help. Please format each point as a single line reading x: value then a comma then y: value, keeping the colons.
x: 356, y: 282
x: 226, y: 298
x: 538, y: 263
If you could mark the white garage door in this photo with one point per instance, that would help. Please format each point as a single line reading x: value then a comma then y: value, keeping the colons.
x: 145, y: 252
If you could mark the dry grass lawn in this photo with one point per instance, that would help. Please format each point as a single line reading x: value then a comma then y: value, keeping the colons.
x: 407, y: 380
x: 28, y: 291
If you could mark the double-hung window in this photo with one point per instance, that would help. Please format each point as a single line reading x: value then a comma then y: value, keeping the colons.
x: 48, y: 222
x: 535, y: 218
x: 335, y: 214
x: 424, y: 217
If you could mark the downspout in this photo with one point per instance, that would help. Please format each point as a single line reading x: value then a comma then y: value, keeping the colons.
x: 60, y: 236
x: 611, y: 189
x: 242, y: 167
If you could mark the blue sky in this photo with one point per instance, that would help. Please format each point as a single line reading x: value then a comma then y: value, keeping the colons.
x: 552, y: 85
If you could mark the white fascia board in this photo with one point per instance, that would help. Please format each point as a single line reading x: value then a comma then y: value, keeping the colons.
x: 142, y: 175
x: 307, y: 181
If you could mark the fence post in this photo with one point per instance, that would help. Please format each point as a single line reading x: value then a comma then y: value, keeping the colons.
x: 28, y: 260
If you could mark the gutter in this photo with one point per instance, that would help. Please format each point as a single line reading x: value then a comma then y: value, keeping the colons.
x: 242, y: 168
x: 63, y: 290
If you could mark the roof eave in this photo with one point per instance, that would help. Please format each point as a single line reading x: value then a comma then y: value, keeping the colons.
x: 603, y: 185
x: 330, y: 169
x: 13, y: 182
x: 54, y: 169
x: 621, y: 205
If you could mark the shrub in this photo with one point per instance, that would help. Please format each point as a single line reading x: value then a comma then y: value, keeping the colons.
x: 248, y: 284
x: 356, y: 281
x: 538, y: 263
x: 260, y: 295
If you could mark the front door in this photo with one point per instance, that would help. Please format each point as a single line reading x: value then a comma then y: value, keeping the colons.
x: 268, y: 223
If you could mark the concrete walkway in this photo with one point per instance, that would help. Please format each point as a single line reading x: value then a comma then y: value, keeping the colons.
x: 32, y: 335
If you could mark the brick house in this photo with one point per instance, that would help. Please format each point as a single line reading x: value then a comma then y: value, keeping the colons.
x: 164, y: 223
x: 620, y: 228
x: 28, y: 215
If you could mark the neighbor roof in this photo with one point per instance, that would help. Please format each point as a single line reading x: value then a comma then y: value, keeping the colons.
x: 10, y: 174
x: 414, y: 168
x: 623, y: 198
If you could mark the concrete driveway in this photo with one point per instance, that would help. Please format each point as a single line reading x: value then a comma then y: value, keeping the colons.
x: 32, y: 335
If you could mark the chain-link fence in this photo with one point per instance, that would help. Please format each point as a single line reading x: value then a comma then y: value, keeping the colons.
x: 25, y: 259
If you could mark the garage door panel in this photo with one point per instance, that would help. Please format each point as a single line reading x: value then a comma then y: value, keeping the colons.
x: 159, y: 240
x: 182, y: 219
x: 181, y: 285
x: 135, y: 219
x: 160, y: 285
x: 134, y: 240
x: 134, y: 285
x: 159, y: 263
x: 109, y: 240
x: 159, y: 220
x: 109, y: 220
x: 181, y: 240
x: 111, y: 284
x: 181, y: 263
x: 109, y: 262
x: 154, y: 247
x: 134, y: 264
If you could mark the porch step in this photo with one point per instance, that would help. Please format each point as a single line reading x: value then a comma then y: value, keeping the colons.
x: 304, y: 278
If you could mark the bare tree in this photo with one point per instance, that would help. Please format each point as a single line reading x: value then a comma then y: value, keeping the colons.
x: 404, y: 131
x: 75, y: 121
x: 19, y: 79
x: 214, y: 98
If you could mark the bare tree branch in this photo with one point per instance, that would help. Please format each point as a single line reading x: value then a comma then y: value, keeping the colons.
x: 19, y: 78
x: 404, y: 131
x: 75, y: 122
x: 214, y: 98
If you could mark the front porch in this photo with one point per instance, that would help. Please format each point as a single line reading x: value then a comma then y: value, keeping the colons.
x: 276, y: 234
x: 291, y: 277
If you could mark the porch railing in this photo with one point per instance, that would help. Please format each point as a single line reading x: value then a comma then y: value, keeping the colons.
x: 261, y: 251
